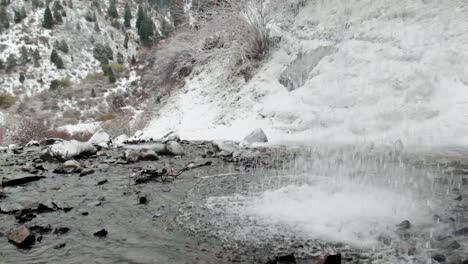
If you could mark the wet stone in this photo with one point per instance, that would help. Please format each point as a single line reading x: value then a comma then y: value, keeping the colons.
x: 332, y: 259
x: 102, y: 182
x: 404, y: 225
x: 101, y: 233
x: 439, y: 258
x: 22, y: 237
x: 60, y: 246
x: 61, y: 230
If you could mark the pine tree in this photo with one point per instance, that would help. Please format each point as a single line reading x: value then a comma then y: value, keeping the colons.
x: 96, y: 27
x: 48, y: 21
x: 133, y: 60
x: 22, y: 77
x: 111, y: 75
x: 63, y: 46
x: 93, y: 93
x: 127, y: 16
x: 112, y: 10
x: 126, y: 41
x: 17, y: 16
x: 140, y: 17
x: 24, y: 55
x: 58, y: 16
x: 36, y: 58
x: 146, y: 31
x: 4, y: 19
x: 11, y: 62
x: 56, y: 60
x: 23, y: 13
x: 2, y: 64
x: 120, y: 58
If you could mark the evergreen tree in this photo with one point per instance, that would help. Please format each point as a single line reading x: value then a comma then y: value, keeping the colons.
x: 112, y: 10
x: 96, y: 27
x: 17, y: 16
x: 111, y: 75
x: 22, y: 77
x: 93, y: 93
x: 36, y: 58
x: 127, y: 16
x: 11, y: 62
x: 120, y: 58
x: 2, y: 64
x: 48, y: 21
x: 140, y: 17
x: 56, y: 60
x: 70, y: 4
x: 23, y: 13
x: 63, y: 46
x: 58, y: 16
x: 24, y: 55
x: 37, y: 4
x: 126, y: 41
x: 4, y: 19
x: 146, y: 31
x: 133, y: 60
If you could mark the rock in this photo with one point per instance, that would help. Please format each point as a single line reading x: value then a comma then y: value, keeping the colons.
x: 256, y: 136
x: 22, y: 237
x: 147, y: 154
x: 33, y: 143
x: 171, y: 136
x: 228, y: 146
x: 96, y: 203
x: 120, y: 140
x: 25, y: 215
x: 19, y: 181
x: 60, y: 246
x: 69, y: 166
x: 100, y: 137
x: 68, y: 150
x: 101, y: 233
x: 458, y: 198
x: 439, y: 258
x: 61, y: 230
x: 86, y: 172
x: 2, y: 195
x: 131, y: 156
x: 332, y: 259
x: 51, y: 141
x: 143, y: 200
x: 102, y: 182
x: 449, y: 243
x: 174, y: 148
x: 461, y: 232
x: 404, y: 225
x: 286, y: 259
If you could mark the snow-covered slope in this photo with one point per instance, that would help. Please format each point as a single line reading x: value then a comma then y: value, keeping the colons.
x: 370, y: 71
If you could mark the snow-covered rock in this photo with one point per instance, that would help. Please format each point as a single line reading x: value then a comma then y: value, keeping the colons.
x: 120, y: 140
x: 226, y: 145
x: 68, y: 150
x: 33, y: 143
x: 256, y: 136
x: 100, y: 137
x: 174, y: 148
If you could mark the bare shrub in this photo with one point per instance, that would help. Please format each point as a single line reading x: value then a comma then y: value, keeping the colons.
x: 22, y: 130
x: 7, y: 101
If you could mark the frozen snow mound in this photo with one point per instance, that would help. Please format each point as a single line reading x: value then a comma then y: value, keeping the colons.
x: 347, y: 71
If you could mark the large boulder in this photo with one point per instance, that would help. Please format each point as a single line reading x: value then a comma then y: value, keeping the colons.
x: 100, y: 137
x: 225, y: 145
x: 174, y: 148
x: 68, y: 150
x: 256, y: 136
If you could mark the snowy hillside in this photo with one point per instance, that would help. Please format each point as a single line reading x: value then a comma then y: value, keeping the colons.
x: 358, y: 70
